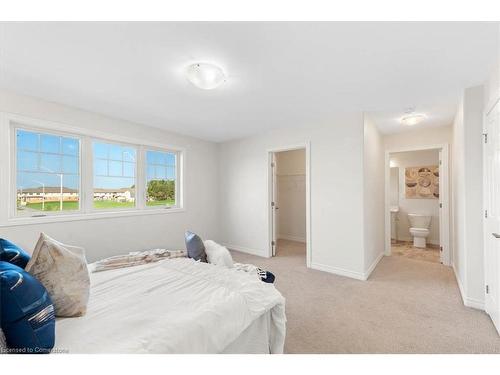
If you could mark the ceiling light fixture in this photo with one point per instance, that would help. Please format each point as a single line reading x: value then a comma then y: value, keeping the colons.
x: 205, y: 76
x: 411, y: 118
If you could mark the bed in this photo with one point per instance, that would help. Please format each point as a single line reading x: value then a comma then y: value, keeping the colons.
x: 176, y: 306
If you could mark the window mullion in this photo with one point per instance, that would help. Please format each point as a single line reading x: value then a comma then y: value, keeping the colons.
x: 87, y: 175
x: 179, y: 179
x: 140, y: 177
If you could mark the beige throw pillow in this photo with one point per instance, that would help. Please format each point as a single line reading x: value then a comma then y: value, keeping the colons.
x: 63, y: 271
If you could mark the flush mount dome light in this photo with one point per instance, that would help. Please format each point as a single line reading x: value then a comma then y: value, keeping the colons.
x: 205, y: 76
x: 412, y: 119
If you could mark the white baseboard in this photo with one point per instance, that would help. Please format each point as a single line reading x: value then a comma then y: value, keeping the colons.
x: 474, y: 303
x: 291, y: 238
x: 469, y: 302
x: 370, y: 269
x: 338, y: 271
x: 247, y: 250
x: 363, y: 276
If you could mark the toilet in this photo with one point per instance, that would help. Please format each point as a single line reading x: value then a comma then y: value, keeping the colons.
x: 419, y: 228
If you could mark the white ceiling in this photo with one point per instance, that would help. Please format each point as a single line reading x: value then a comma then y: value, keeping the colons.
x: 439, y: 113
x: 279, y: 74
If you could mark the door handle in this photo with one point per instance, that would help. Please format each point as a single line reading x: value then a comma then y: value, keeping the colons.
x: 496, y: 235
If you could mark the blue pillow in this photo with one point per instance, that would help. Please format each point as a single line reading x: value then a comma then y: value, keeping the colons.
x: 12, y: 253
x: 27, y: 314
x: 195, y: 247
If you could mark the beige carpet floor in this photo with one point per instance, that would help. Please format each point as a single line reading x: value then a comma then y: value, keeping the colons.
x: 406, y: 306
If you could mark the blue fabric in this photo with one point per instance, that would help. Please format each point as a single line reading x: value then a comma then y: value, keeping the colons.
x: 266, y: 276
x: 26, y: 313
x: 195, y: 247
x: 12, y: 253
x: 269, y: 278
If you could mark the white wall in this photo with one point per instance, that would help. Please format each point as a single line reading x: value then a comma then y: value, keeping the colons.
x: 394, y: 199
x: 418, y: 138
x: 492, y: 85
x: 468, y: 196
x: 336, y: 156
x: 291, y: 200
x: 419, y: 206
x: 394, y: 186
x: 458, y: 198
x: 347, y: 193
x: 373, y: 195
x: 105, y: 237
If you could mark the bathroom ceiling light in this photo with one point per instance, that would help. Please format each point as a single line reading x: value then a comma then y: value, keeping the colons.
x: 205, y: 76
x: 412, y: 119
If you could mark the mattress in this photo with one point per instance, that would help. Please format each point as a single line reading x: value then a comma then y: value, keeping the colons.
x: 176, y: 306
x: 253, y: 340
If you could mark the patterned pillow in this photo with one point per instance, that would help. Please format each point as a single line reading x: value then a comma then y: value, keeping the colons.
x: 62, y: 269
x: 12, y: 253
x: 27, y: 313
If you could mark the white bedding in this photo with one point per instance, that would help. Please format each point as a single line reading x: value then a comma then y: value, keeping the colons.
x: 172, y: 306
x: 254, y: 339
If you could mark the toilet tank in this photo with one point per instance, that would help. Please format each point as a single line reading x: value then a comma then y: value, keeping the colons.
x: 419, y: 221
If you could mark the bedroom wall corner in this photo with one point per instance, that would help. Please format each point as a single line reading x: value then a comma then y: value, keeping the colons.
x: 373, y: 196
x: 336, y: 156
x: 468, y: 252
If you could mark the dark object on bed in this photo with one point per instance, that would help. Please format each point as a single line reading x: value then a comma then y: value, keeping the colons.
x: 27, y: 313
x: 266, y: 276
x: 195, y: 247
x: 12, y: 253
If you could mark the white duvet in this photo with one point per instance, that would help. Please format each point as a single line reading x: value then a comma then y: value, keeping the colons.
x: 172, y: 306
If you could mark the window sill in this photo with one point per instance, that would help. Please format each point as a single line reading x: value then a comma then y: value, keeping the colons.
x: 89, y: 216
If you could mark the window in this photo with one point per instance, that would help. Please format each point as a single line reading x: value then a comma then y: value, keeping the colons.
x: 47, y: 173
x: 161, y: 173
x: 114, y: 175
x: 76, y: 176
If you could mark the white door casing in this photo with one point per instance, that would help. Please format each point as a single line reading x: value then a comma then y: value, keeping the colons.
x: 491, y: 160
x: 444, y: 198
x: 272, y: 193
x: 441, y: 195
x: 274, y: 204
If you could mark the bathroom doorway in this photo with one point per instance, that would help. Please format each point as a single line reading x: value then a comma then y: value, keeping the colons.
x: 417, y: 195
x: 289, y: 203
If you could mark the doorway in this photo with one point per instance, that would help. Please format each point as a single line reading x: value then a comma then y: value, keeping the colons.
x: 289, y: 203
x: 417, y: 195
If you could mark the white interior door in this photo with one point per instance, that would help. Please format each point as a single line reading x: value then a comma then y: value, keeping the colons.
x: 491, y: 158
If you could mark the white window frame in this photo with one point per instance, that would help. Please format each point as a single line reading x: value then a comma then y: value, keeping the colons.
x: 8, y: 217
x: 178, y: 172
x: 137, y: 149
x: 15, y: 126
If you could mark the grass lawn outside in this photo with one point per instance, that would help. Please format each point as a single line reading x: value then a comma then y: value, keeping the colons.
x: 52, y: 206
x: 98, y: 204
x: 165, y: 202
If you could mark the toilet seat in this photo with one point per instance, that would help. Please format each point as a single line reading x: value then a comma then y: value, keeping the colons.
x: 419, y: 231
